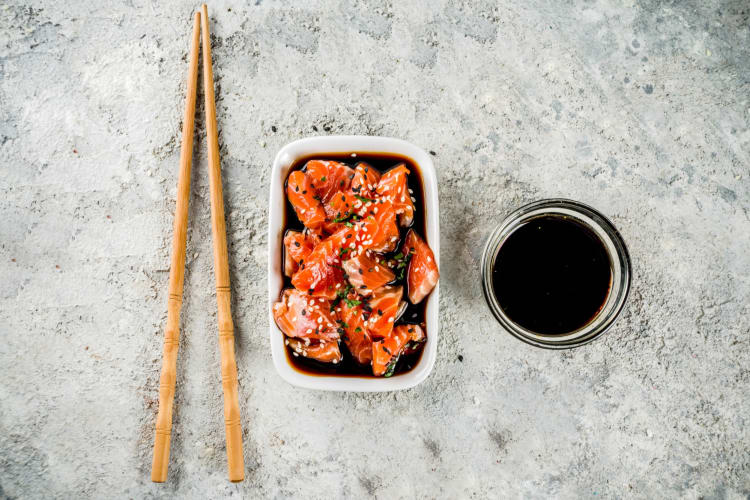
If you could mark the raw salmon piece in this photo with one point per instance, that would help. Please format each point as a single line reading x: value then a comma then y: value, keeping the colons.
x: 422, y: 274
x: 328, y: 177
x: 366, y: 274
x: 355, y: 336
x: 350, y: 237
x: 385, y: 353
x: 321, y: 272
x: 297, y: 246
x: 301, y: 195
x: 381, y: 310
x: 326, y: 352
x: 394, y: 185
x: 340, y: 206
x: 298, y: 315
x: 339, y: 210
x: 366, y: 179
x: 342, y: 239
x: 416, y: 338
x: 385, y: 236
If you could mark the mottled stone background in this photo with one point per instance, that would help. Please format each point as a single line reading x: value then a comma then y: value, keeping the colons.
x: 639, y: 108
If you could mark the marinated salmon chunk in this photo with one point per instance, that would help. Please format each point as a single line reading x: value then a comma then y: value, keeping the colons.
x: 417, y: 337
x: 297, y: 246
x: 366, y: 273
x: 339, y: 210
x: 422, y: 275
x: 382, y: 310
x: 384, y: 237
x: 366, y: 179
x: 394, y: 185
x: 320, y: 272
x: 342, y: 240
x: 385, y: 353
x: 326, y: 352
x: 355, y: 336
x: 298, y: 315
x: 329, y: 177
x: 303, y: 198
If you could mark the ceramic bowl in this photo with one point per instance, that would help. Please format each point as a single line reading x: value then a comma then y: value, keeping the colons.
x: 320, y: 146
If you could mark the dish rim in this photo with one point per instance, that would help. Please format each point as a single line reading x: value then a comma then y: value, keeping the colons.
x: 322, y: 145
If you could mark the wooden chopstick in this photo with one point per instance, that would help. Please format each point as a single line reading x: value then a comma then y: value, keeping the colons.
x: 235, y: 459
x: 176, y: 273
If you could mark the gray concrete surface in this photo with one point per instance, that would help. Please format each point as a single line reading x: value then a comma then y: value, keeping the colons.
x: 637, y: 108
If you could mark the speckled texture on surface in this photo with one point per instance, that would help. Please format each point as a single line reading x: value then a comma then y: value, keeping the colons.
x: 637, y: 108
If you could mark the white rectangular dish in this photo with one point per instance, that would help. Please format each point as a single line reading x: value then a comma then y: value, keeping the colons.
x: 319, y: 146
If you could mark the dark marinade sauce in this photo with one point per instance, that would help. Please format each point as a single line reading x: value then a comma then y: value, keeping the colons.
x: 552, y: 275
x: 414, y: 314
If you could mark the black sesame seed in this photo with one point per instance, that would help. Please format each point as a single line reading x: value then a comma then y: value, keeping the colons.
x: 296, y: 244
x: 273, y: 128
x: 460, y: 358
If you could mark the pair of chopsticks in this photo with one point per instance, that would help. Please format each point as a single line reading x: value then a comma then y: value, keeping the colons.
x: 235, y: 460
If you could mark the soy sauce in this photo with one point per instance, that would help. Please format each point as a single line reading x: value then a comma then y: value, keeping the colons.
x: 415, y: 313
x: 552, y: 275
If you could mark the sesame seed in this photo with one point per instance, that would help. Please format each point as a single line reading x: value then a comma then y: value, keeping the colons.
x: 295, y: 355
x: 402, y: 199
x: 320, y: 320
x: 390, y: 320
x: 302, y: 210
x: 309, y: 331
x: 412, y: 192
